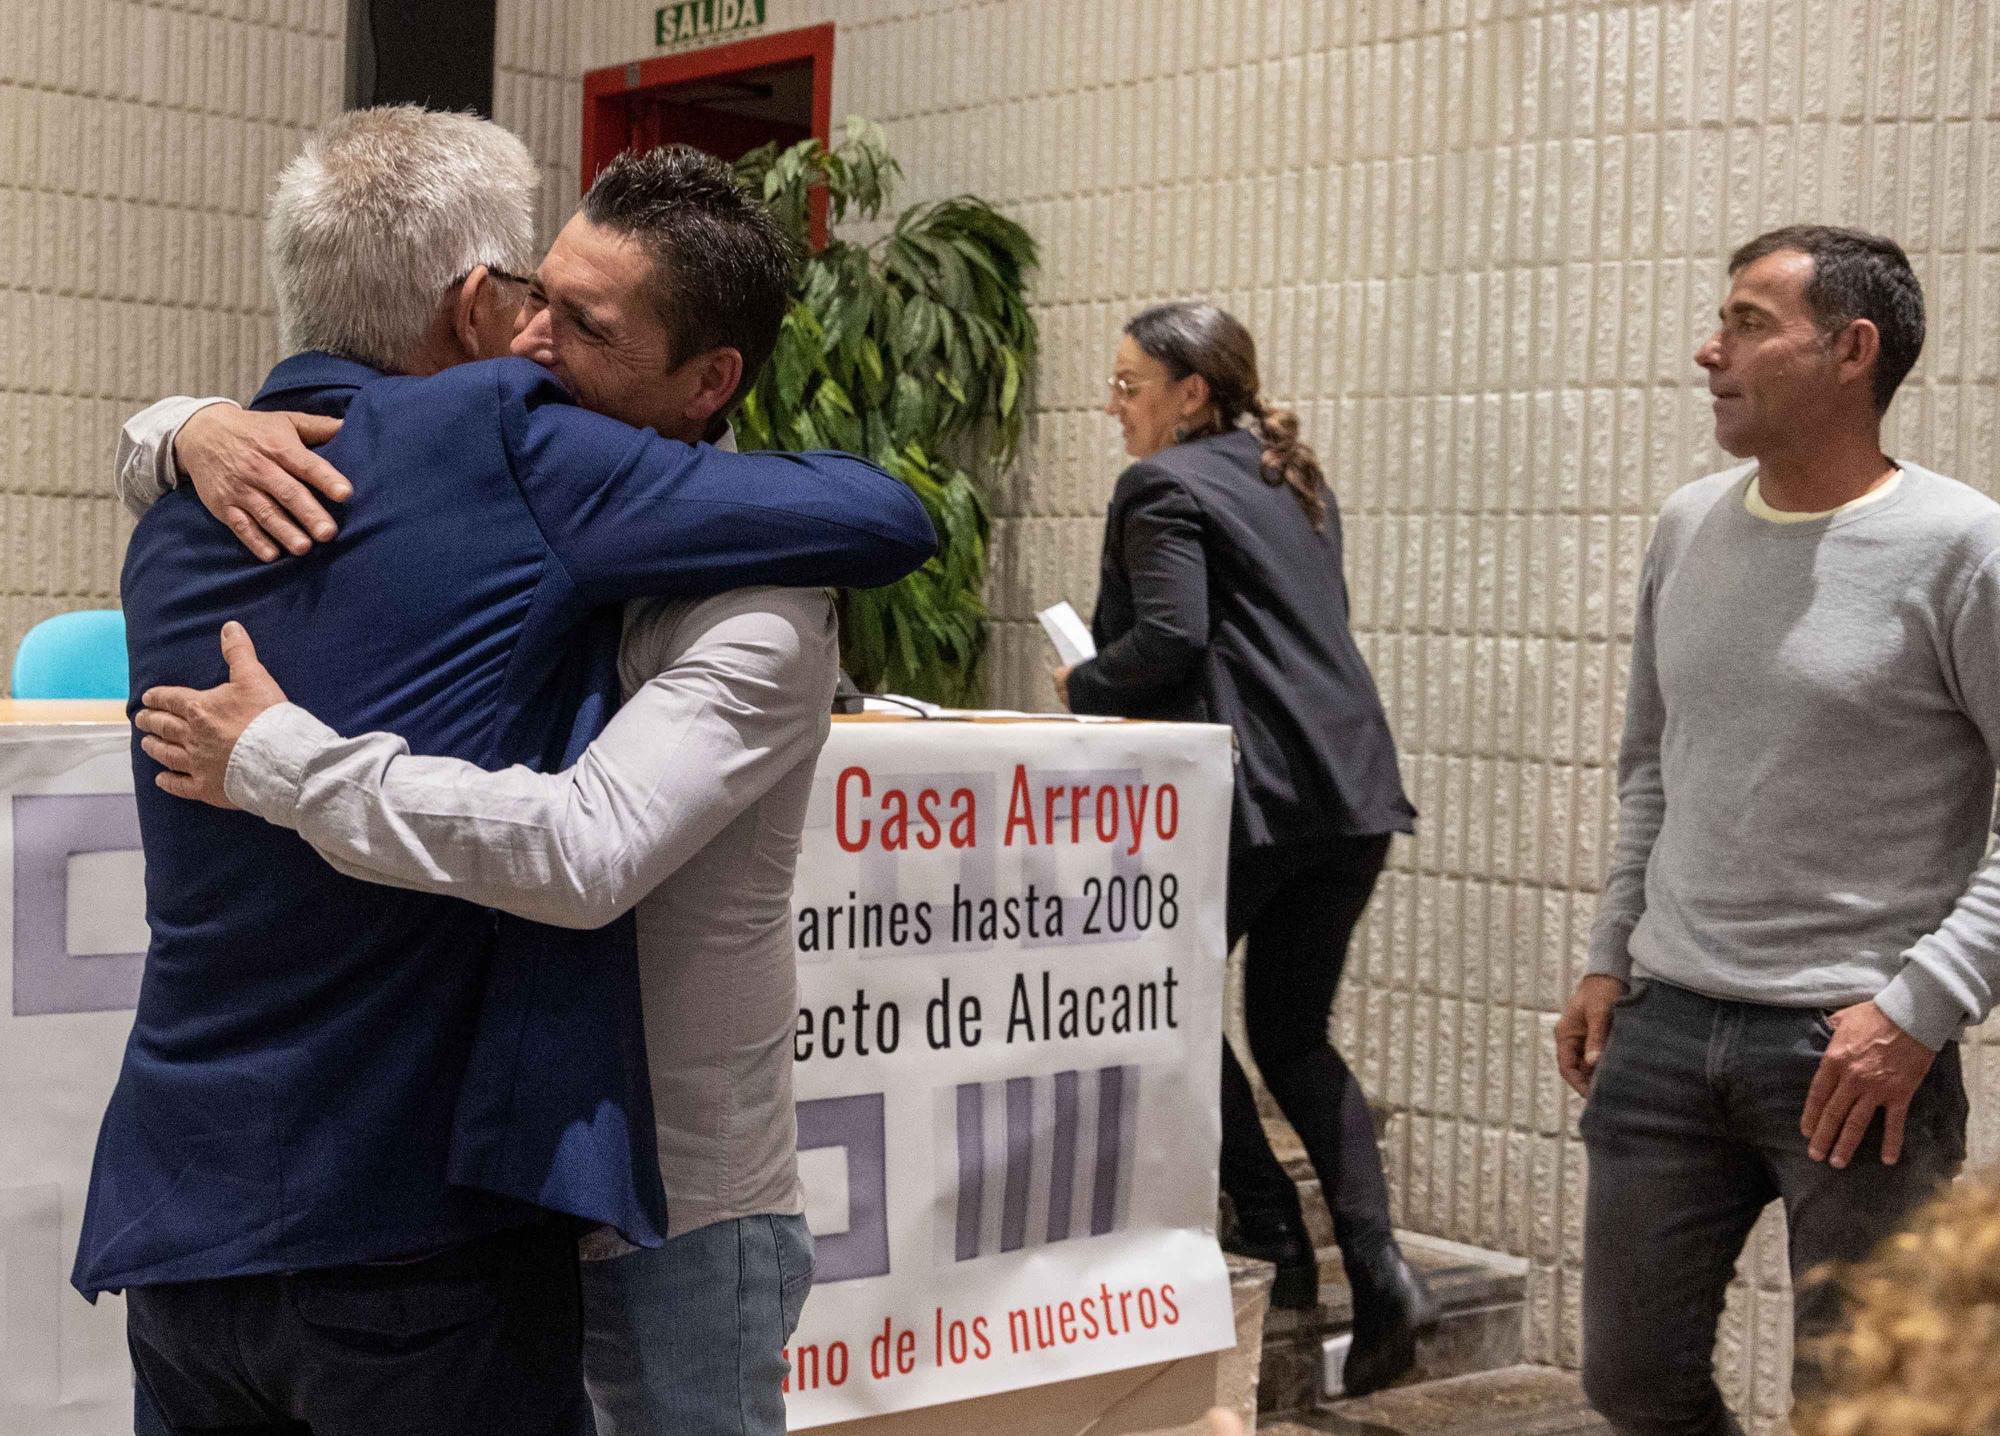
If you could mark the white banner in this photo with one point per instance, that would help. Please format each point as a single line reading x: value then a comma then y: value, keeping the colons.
x: 1010, y: 941
x: 73, y: 921
x: 1010, y: 957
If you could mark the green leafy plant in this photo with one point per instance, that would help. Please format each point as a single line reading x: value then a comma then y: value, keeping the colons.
x: 915, y: 350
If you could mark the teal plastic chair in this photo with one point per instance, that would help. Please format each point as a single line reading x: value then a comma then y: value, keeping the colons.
x: 73, y: 655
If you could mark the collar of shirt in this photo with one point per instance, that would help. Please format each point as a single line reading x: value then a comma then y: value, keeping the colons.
x: 1757, y: 504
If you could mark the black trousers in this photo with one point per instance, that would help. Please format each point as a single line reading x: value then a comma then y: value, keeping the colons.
x: 1298, y: 906
x: 485, y: 1339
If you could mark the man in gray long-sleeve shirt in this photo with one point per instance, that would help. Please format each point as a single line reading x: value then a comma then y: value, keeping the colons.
x: 1799, y: 900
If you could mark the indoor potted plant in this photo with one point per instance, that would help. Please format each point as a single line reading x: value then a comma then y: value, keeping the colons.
x: 917, y: 350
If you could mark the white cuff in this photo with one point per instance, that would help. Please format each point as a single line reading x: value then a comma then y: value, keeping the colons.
x: 267, y: 767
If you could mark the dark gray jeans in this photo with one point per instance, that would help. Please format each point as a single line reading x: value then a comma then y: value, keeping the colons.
x: 1692, y: 1128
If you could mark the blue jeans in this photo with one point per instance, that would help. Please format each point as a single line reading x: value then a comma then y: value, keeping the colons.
x: 1691, y: 1130
x: 689, y: 1340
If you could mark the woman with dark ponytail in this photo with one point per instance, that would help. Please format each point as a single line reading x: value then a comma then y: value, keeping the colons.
x: 1221, y: 599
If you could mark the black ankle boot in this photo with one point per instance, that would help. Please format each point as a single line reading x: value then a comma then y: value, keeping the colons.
x: 1392, y: 1308
x: 1281, y: 1239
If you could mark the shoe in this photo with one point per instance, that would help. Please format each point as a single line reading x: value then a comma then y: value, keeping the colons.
x: 1392, y: 1308
x: 1281, y: 1240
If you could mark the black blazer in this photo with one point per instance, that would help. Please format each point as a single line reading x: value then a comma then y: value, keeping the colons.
x: 1218, y: 603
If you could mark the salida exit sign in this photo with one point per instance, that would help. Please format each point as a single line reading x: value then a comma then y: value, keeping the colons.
x: 699, y: 19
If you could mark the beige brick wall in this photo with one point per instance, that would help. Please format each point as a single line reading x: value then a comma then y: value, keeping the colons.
x: 538, y: 57
x: 1477, y: 241
x: 137, y: 142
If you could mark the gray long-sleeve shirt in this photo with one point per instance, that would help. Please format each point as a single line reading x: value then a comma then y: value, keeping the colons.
x: 1807, y: 776
x: 145, y: 464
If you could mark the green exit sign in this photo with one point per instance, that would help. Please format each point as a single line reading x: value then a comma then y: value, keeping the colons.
x: 700, y: 19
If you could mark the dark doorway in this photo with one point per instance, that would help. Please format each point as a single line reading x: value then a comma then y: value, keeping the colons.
x: 406, y: 52
x: 729, y: 115
x: 726, y: 99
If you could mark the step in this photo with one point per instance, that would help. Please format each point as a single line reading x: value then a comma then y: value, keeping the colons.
x: 1481, y: 1296
x: 1513, y: 1401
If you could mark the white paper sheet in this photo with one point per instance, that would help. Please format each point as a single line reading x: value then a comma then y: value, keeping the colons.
x: 1068, y: 633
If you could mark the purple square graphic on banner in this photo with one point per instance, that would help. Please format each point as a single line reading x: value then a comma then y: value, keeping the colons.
x: 48, y: 832
x: 857, y: 1124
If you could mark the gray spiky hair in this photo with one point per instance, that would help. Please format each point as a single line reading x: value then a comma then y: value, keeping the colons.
x: 379, y: 213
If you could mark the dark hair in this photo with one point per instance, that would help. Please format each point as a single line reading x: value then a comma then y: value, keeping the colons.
x: 1201, y: 339
x: 722, y: 265
x: 1856, y: 275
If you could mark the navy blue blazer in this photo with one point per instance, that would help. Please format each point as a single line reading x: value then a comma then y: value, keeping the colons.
x: 323, y: 1071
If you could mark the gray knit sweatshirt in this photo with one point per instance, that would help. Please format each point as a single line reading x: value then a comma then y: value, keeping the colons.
x: 1807, y: 776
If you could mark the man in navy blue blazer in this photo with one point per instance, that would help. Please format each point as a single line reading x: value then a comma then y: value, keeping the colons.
x: 346, y: 1112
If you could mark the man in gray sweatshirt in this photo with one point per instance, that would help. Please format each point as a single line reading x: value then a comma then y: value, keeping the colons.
x: 1800, y: 917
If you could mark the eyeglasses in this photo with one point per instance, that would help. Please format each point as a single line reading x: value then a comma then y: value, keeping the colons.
x: 504, y: 276
x: 1123, y: 388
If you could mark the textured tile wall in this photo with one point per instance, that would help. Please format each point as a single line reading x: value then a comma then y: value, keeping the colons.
x: 538, y: 52
x: 137, y: 142
x: 1477, y: 241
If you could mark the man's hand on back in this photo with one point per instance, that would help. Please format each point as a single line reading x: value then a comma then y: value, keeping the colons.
x: 1870, y: 1063
x: 191, y: 732
x: 1583, y: 1029
x: 255, y: 473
